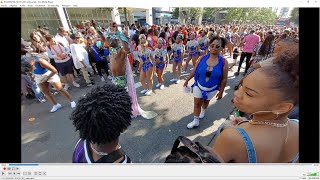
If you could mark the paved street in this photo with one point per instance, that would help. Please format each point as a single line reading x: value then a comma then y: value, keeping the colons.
x: 51, y: 137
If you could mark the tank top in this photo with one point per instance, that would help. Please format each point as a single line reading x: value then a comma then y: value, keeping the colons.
x: 144, y: 54
x: 177, y: 48
x: 216, y: 73
x: 38, y: 68
x: 251, y: 152
x: 202, y: 42
x: 192, y: 45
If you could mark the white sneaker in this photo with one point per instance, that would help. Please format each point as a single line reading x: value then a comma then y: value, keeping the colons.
x: 158, y: 85
x: 73, y: 104
x: 191, y: 69
x: 110, y: 77
x: 75, y: 84
x: 143, y: 91
x: 148, y: 93
x: 177, y: 82
x: 194, y: 123
x: 55, y: 107
x: 42, y: 100
x: 202, y: 113
x: 66, y: 86
x: 102, y: 79
x: 173, y: 80
x: 162, y: 86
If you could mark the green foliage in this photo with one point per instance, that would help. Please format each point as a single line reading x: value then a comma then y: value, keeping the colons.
x: 295, y: 12
x: 195, y: 12
x: 295, y: 15
x: 253, y: 15
x: 210, y: 12
x: 175, y: 13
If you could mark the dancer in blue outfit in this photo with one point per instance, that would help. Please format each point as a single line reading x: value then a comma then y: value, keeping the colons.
x: 161, y: 59
x: 178, y: 53
x: 193, y: 50
x: 210, y: 75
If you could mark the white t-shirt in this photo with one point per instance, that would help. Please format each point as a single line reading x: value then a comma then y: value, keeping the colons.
x: 62, y: 40
x: 131, y: 33
x: 79, y: 54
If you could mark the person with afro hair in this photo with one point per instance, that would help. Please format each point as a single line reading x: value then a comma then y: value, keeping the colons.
x: 100, y: 117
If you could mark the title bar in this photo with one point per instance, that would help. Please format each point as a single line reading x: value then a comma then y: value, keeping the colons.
x: 156, y: 3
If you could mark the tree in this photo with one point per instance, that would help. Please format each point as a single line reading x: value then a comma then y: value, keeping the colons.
x: 195, y: 12
x: 237, y: 14
x: 257, y: 15
x: 295, y: 15
x: 209, y: 13
x: 175, y: 13
x: 186, y: 14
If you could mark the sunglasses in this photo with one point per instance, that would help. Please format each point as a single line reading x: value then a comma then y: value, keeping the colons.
x: 215, y: 45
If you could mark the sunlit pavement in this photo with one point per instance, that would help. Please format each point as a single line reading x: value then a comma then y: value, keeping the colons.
x: 50, y: 137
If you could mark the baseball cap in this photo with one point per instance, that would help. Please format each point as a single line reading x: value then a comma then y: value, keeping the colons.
x: 25, y: 46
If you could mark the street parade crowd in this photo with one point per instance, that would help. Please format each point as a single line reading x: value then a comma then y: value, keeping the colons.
x: 264, y: 129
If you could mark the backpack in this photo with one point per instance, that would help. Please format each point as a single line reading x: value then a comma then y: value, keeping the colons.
x: 194, y: 148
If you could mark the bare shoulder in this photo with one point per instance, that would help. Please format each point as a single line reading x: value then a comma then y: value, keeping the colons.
x: 229, y: 144
x: 294, y: 126
x: 230, y: 134
x: 42, y: 60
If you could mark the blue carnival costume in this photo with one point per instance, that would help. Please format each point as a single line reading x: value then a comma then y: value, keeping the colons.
x: 214, y: 76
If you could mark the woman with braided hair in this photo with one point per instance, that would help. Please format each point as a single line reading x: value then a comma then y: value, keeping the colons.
x: 100, y: 117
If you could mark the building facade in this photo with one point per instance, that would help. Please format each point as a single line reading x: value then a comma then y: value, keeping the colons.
x: 282, y: 12
x: 53, y: 18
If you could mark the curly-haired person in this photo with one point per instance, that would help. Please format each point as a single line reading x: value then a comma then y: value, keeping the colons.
x: 100, y: 117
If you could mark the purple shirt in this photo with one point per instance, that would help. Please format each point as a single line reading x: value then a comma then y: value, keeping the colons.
x: 250, y: 41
